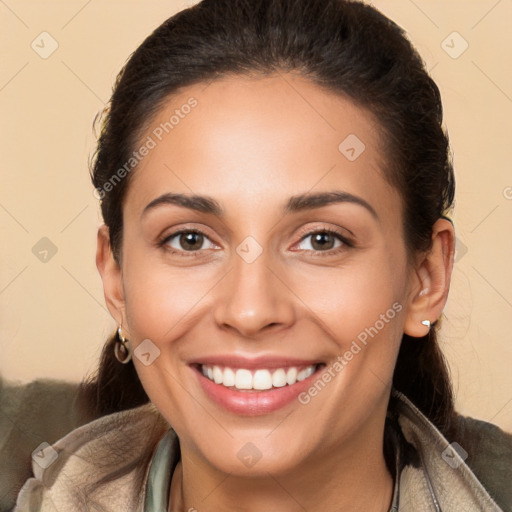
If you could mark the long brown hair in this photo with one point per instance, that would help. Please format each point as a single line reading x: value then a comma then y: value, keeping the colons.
x: 348, y: 48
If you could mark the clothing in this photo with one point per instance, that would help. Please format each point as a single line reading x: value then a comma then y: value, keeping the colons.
x: 124, y: 461
x: 164, y: 462
x: 41, y: 411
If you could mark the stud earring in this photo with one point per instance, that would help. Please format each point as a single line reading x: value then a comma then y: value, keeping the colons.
x: 423, y: 292
x: 426, y: 323
x: 122, y: 348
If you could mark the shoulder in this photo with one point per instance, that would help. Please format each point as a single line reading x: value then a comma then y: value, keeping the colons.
x: 103, y: 463
x: 43, y: 410
x: 489, y: 455
x: 470, y: 470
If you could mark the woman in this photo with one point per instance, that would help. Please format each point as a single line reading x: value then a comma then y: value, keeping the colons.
x: 274, y: 180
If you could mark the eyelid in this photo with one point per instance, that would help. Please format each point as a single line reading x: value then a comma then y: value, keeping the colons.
x: 308, y: 230
x: 347, y: 241
x: 163, y: 241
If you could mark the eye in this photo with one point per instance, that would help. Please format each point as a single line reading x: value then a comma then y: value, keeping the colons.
x: 189, y: 240
x: 324, y: 240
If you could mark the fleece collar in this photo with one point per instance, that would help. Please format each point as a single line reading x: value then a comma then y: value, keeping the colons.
x: 124, y: 461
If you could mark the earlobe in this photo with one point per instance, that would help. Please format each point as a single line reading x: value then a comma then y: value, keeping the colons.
x: 431, y: 281
x: 419, y: 318
x: 111, y: 275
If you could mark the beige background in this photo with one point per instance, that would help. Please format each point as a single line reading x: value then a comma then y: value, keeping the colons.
x: 53, y: 319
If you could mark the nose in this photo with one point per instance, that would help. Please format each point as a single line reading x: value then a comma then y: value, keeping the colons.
x: 254, y: 298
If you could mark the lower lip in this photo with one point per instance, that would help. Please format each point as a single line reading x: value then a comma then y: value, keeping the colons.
x: 253, y: 402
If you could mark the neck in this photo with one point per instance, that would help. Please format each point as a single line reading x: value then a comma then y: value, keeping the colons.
x: 354, y: 477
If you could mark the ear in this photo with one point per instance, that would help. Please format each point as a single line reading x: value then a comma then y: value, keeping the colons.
x: 111, y: 276
x: 430, y: 281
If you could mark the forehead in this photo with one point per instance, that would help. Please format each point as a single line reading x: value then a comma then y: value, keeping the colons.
x: 255, y: 140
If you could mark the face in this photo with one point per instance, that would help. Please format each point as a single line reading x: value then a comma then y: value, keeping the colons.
x: 293, y: 258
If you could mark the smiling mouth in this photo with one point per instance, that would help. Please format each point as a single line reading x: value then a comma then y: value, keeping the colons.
x: 242, y: 379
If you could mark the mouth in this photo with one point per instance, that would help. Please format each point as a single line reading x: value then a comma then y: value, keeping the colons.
x: 258, y: 390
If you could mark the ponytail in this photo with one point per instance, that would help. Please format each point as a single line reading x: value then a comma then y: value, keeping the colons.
x: 422, y: 374
x: 115, y: 386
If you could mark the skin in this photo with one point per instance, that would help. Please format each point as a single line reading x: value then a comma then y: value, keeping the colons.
x: 251, y: 144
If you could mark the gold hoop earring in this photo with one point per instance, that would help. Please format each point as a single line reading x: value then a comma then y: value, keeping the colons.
x: 122, y: 349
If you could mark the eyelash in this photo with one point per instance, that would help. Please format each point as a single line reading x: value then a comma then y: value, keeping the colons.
x: 345, y: 241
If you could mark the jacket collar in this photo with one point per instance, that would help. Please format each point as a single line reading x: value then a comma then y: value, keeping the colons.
x: 126, y: 459
x: 434, y: 475
x: 430, y: 473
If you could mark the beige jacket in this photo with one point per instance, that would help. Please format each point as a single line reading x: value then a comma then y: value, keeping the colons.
x: 103, y: 465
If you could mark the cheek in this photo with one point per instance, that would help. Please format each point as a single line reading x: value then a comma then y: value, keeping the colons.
x: 351, y: 300
x: 159, y: 297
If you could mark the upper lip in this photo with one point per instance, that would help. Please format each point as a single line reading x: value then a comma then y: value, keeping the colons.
x: 233, y: 361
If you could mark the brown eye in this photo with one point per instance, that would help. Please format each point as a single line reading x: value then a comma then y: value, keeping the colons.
x: 191, y: 241
x: 321, y: 241
x: 187, y: 241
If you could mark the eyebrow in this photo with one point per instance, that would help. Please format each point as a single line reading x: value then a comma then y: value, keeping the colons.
x: 202, y: 204
x: 297, y: 203
x: 309, y: 201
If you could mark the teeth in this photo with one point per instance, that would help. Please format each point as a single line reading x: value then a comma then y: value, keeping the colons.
x: 279, y: 378
x: 291, y: 375
x: 259, y: 379
x: 304, y: 374
x: 228, y: 377
x: 217, y: 375
x: 243, y: 379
